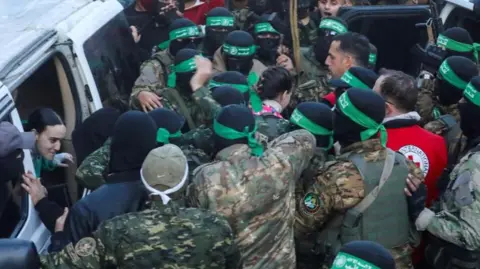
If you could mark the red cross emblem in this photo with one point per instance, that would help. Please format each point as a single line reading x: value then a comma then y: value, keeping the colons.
x: 410, y: 157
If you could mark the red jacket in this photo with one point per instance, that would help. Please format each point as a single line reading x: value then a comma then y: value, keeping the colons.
x: 198, y: 13
x: 428, y: 151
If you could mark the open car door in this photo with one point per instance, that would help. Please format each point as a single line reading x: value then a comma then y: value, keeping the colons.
x: 392, y: 29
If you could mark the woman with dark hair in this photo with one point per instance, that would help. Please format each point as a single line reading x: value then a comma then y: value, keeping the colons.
x: 49, y: 130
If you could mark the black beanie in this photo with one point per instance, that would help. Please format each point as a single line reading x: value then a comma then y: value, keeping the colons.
x: 240, y: 39
x: 470, y: 110
x: 168, y: 119
x: 180, y: 23
x: 230, y: 77
x: 447, y: 91
x: 368, y: 252
x: 236, y: 117
x: 185, y: 54
x: 346, y: 131
x: 322, y: 115
x: 226, y: 95
x: 460, y: 35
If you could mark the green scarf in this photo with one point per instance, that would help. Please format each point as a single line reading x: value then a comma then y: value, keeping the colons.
x: 231, y: 134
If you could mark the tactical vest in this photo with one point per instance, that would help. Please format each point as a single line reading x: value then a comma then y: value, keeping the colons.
x: 382, y: 216
x: 174, y: 95
x: 270, y: 128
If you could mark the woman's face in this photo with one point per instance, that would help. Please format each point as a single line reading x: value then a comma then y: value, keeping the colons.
x: 49, y: 141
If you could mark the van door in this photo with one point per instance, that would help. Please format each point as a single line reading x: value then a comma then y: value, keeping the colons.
x: 392, y: 30
x: 106, y: 54
x: 18, y: 218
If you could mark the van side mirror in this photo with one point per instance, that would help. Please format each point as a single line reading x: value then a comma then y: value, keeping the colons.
x: 18, y: 254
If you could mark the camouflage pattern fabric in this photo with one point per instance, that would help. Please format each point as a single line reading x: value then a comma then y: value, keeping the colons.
x: 165, y: 236
x: 457, y: 219
x: 272, y: 130
x: 242, y: 18
x: 340, y: 187
x: 256, y: 194
x: 90, y: 173
x: 308, y: 33
x: 438, y: 127
x: 200, y: 138
x: 152, y: 76
x: 219, y: 65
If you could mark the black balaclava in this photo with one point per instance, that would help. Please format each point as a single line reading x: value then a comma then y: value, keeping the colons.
x: 450, y: 38
x: 226, y: 95
x: 372, y: 105
x: 183, y: 71
x: 470, y: 110
x: 258, y: 6
x: 328, y: 28
x: 134, y: 136
x: 231, y: 78
x: 169, y: 125
x: 239, y: 50
x: 364, y: 254
x: 92, y: 133
x: 267, y: 47
x: 303, y: 9
x: 11, y: 166
x: 186, y: 29
x: 322, y: 118
x: 236, y: 117
x: 220, y: 22
x: 452, y: 78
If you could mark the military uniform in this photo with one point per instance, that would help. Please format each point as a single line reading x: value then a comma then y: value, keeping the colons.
x: 219, y: 65
x: 92, y: 171
x: 271, y: 126
x: 242, y: 18
x: 256, y: 196
x: 312, y: 81
x: 308, y: 33
x: 455, y: 219
x: 165, y: 236
x: 332, y: 210
x: 153, y: 76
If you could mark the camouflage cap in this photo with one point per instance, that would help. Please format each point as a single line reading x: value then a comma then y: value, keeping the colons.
x: 164, y: 171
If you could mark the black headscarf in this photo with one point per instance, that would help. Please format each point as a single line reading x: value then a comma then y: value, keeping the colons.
x: 134, y: 136
x: 92, y: 133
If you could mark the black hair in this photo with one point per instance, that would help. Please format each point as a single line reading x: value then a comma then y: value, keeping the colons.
x: 276, y: 80
x: 399, y: 89
x: 357, y: 45
x: 41, y: 118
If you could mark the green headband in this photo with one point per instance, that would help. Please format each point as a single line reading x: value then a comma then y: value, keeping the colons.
x: 353, y: 81
x: 372, y: 58
x: 265, y: 27
x: 183, y: 67
x: 255, y: 100
x: 344, y: 261
x: 231, y: 134
x: 220, y: 22
x: 472, y: 94
x: 447, y: 74
x: 299, y: 119
x: 241, y: 87
x: 163, y: 135
x: 185, y: 32
x: 333, y: 25
x: 458, y: 46
x: 347, y: 107
x: 239, y: 51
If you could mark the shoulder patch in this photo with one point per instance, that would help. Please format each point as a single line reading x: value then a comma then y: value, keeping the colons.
x: 417, y: 156
x: 85, y: 247
x: 311, y: 203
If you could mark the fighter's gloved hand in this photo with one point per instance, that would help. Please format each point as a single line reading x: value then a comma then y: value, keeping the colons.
x: 60, y: 159
x: 416, y: 192
x: 433, y: 58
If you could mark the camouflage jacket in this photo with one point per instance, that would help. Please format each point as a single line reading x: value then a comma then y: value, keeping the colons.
x: 220, y: 66
x: 256, y: 196
x: 242, y: 18
x: 92, y: 171
x: 457, y: 216
x: 340, y: 187
x: 160, y: 237
x: 308, y: 33
x: 200, y: 138
x: 152, y: 76
x: 271, y: 126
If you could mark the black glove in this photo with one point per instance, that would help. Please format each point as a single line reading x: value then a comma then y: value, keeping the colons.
x: 416, y: 202
x: 433, y: 58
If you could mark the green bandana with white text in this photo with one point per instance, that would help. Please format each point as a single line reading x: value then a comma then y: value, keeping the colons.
x: 347, y: 261
x: 265, y: 27
x: 472, y: 94
x: 449, y: 75
x: 357, y: 116
x: 454, y: 45
x: 220, y: 22
x: 188, y: 65
x: 239, y: 51
x: 181, y: 33
x: 333, y: 25
x: 353, y: 81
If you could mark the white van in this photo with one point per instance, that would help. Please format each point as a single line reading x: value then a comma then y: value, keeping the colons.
x: 67, y: 55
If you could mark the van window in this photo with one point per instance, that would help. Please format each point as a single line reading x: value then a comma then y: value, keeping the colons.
x: 113, y: 58
x: 13, y: 205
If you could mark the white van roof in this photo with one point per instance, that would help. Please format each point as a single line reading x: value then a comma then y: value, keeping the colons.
x: 25, y: 24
